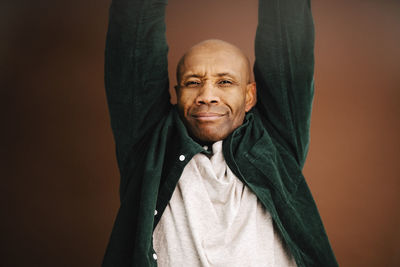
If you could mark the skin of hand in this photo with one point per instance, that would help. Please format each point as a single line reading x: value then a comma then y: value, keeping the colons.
x: 214, y: 91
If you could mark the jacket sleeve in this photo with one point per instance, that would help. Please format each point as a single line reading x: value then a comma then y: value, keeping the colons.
x: 284, y: 70
x: 136, y: 72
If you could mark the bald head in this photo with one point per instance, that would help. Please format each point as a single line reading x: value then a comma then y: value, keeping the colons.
x: 214, y: 90
x: 212, y: 48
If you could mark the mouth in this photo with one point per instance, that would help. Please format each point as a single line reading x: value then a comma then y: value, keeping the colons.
x: 207, y: 116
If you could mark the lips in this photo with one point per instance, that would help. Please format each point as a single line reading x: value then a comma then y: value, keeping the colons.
x: 207, y: 116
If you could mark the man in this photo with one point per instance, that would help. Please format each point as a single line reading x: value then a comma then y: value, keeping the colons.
x: 215, y: 180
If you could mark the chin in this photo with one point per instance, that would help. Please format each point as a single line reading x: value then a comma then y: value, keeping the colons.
x: 209, y: 137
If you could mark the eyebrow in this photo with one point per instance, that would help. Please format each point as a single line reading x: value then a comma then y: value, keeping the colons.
x: 200, y: 76
x: 191, y: 76
x: 224, y: 74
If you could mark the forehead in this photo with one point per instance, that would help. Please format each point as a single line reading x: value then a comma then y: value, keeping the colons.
x: 213, y: 62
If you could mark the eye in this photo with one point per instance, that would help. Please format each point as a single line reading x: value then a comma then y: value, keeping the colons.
x: 192, y: 83
x: 225, y: 83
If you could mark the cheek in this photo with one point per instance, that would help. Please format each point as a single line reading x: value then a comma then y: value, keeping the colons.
x: 183, y: 101
x: 238, y: 104
x: 238, y: 108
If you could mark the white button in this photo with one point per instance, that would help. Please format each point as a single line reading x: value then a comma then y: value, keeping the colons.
x: 155, y: 212
x: 154, y: 256
x: 205, y: 147
x: 181, y: 157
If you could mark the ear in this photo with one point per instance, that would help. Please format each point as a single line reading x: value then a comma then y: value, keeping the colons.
x: 251, y: 96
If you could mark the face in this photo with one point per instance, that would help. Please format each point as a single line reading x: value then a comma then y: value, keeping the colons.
x: 213, y: 93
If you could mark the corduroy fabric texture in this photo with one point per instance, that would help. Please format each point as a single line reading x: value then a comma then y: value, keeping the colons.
x: 267, y: 152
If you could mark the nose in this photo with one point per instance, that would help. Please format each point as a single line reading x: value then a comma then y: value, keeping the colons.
x: 207, y: 95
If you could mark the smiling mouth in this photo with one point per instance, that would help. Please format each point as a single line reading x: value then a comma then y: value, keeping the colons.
x: 207, y: 116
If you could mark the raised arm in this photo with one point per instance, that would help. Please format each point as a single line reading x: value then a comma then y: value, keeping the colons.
x: 284, y: 70
x: 136, y: 72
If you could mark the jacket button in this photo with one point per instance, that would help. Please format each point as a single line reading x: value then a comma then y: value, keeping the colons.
x: 182, y: 157
x: 155, y: 256
x: 155, y: 212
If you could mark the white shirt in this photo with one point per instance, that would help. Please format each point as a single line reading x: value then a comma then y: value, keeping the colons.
x: 213, y: 219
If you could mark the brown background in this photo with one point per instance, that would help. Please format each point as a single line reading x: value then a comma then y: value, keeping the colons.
x: 59, y: 192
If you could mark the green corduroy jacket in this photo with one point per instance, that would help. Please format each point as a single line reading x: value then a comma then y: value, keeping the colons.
x: 267, y: 152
